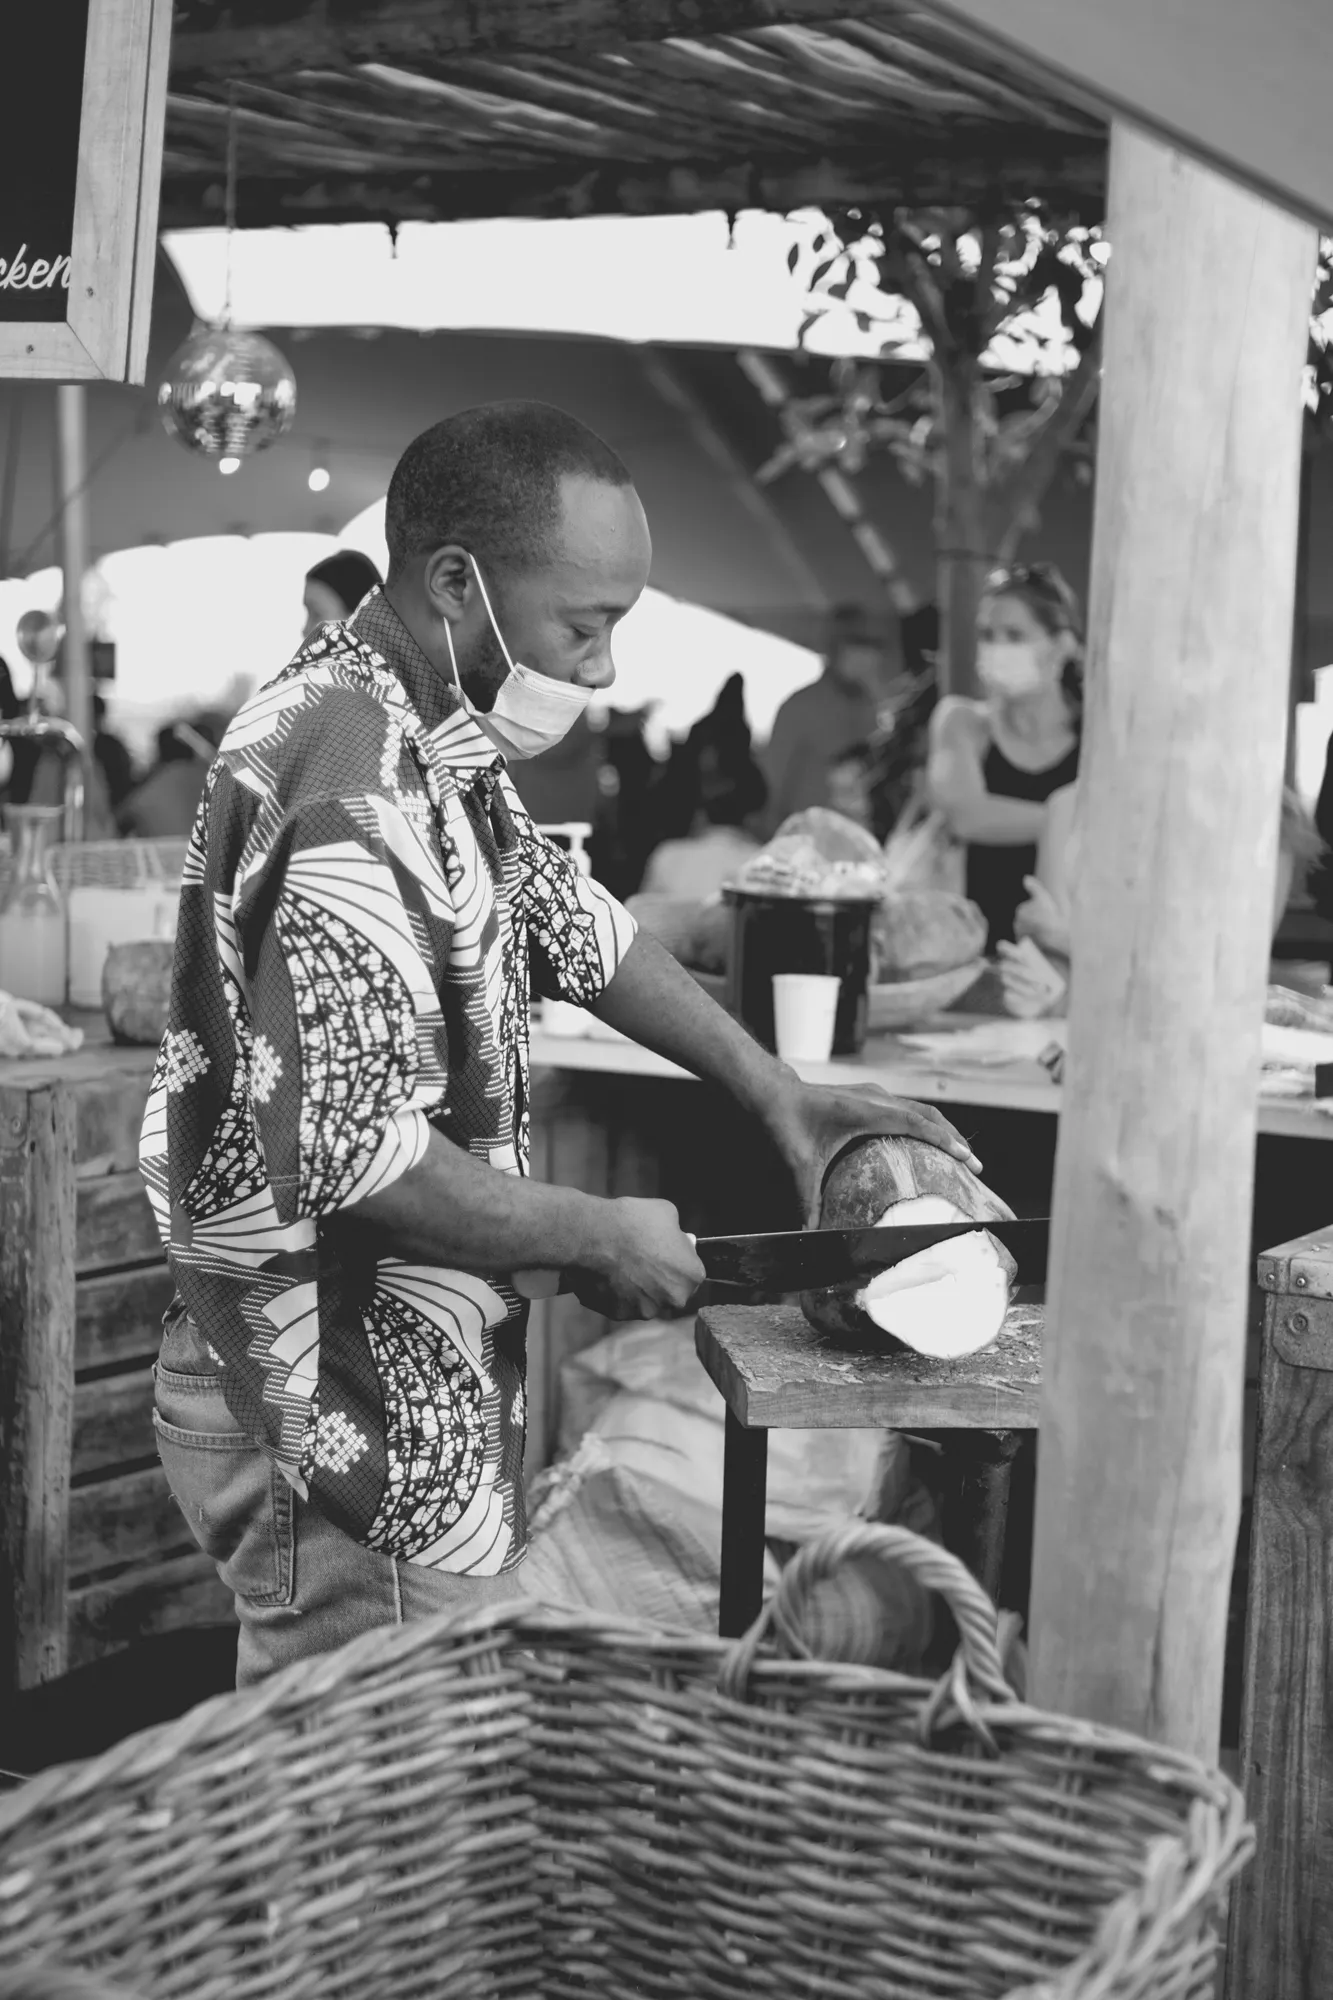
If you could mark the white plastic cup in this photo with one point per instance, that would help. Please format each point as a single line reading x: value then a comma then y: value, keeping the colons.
x: 805, y: 1007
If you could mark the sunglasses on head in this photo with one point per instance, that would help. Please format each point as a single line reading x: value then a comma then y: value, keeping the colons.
x: 1036, y: 576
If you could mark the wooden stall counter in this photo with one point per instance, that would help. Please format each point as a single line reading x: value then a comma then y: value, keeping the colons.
x: 892, y: 1064
x: 94, y: 1553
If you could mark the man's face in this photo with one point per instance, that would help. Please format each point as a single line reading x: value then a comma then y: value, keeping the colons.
x: 858, y: 664
x: 559, y: 618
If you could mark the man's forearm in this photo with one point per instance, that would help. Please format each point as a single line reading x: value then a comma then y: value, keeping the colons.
x: 453, y: 1210
x: 654, y: 1001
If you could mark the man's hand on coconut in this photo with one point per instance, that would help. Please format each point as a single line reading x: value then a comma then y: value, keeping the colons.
x: 813, y: 1123
x: 1033, y: 987
x: 1042, y: 919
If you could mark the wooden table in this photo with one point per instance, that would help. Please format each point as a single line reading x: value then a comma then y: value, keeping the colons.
x: 888, y: 1062
x: 776, y: 1373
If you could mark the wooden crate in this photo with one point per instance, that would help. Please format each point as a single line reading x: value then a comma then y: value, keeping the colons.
x: 94, y: 1553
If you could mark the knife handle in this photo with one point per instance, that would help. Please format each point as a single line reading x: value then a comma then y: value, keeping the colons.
x: 549, y: 1284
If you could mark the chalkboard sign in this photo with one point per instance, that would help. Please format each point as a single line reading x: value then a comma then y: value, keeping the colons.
x: 44, y: 45
x: 80, y: 170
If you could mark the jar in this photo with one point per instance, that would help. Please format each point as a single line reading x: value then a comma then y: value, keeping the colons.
x: 32, y: 914
x: 798, y: 934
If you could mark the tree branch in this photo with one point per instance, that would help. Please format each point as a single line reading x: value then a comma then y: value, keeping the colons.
x: 1011, y: 502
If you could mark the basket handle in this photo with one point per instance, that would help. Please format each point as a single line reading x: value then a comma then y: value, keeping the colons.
x: 977, y: 1670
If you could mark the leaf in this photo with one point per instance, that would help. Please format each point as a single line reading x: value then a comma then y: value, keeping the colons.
x: 793, y: 256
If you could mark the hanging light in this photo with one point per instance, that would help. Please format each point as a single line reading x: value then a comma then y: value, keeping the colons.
x: 319, y: 478
x: 225, y: 393
x: 228, y: 465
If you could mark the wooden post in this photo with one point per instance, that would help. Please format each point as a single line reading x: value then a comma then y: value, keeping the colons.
x: 1194, y: 557
x: 1281, y: 1917
x: 72, y: 461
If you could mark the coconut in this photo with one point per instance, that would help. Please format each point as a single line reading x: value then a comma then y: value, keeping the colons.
x: 945, y: 1302
x: 136, y: 990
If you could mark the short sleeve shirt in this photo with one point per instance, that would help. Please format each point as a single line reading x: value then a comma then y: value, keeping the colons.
x: 365, y: 907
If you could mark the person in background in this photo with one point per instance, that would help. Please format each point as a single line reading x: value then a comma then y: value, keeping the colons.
x: 11, y: 708
x: 1032, y: 988
x: 818, y: 724
x: 112, y: 759
x: 1320, y: 879
x: 334, y: 588
x: 852, y: 784
x: 993, y: 764
x: 723, y: 788
x: 164, y: 805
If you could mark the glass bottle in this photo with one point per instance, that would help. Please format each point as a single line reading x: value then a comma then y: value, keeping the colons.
x: 32, y: 912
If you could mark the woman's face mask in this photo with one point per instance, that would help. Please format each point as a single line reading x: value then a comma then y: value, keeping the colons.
x: 1010, y: 668
x: 531, y: 712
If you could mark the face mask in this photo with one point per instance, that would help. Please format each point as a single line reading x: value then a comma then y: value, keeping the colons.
x: 1008, y: 667
x: 531, y: 712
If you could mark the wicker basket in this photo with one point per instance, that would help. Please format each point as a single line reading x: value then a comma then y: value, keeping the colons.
x: 525, y: 1802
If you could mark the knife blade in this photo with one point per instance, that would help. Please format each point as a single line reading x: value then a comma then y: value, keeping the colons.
x: 758, y: 1270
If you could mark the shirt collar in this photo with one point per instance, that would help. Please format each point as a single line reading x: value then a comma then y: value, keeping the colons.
x: 461, y: 744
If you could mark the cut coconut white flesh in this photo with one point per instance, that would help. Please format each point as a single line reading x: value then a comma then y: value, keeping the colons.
x: 944, y: 1302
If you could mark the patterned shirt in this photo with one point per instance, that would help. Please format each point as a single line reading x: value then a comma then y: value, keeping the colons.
x: 364, y: 904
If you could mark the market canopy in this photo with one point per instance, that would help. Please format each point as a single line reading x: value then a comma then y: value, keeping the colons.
x: 413, y: 109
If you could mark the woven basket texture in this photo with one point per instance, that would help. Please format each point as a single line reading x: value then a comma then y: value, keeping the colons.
x: 531, y: 1802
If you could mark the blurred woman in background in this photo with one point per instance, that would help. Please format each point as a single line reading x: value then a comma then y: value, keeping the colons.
x: 1037, y: 986
x: 717, y: 788
x: 335, y: 587
x: 992, y: 764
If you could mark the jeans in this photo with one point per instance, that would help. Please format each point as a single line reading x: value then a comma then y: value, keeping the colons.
x: 301, y: 1586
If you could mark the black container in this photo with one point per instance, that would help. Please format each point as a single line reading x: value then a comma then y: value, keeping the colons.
x: 788, y: 934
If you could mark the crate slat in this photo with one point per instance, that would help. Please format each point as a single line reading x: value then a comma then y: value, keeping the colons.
x: 113, y: 1422
x: 131, y: 1519
x: 114, y: 1222
x: 120, y: 1318
x: 144, y: 1603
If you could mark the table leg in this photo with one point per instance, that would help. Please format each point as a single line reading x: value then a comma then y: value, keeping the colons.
x: 744, y: 1491
x: 977, y: 1467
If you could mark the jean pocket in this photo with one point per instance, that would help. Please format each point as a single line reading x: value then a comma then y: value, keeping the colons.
x: 238, y: 1505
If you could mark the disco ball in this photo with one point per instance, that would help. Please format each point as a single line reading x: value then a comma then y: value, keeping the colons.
x: 39, y: 636
x: 227, y: 394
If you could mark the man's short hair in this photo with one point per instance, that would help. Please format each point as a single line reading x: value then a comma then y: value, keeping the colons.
x: 488, y: 479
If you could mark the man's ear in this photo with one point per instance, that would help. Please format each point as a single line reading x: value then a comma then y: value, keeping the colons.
x: 448, y: 582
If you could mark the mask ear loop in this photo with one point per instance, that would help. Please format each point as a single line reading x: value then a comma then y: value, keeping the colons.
x: 453, y: 659
x: 485, y: 598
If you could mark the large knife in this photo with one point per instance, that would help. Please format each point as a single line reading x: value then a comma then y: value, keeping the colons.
x: 759, y: 1270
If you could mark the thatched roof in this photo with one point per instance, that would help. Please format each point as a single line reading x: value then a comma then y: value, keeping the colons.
x: 438, y: 109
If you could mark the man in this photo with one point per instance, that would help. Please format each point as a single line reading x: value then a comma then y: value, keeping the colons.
x: 819, y: 724
x: 336, y: 1137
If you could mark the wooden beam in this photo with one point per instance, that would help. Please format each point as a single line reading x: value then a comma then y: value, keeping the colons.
x: 1194, y: 556
x: 1071, y: 173
x: 228, y: 40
